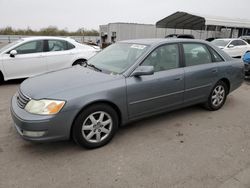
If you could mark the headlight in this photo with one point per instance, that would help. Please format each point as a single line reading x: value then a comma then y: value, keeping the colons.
x: 44, y: 107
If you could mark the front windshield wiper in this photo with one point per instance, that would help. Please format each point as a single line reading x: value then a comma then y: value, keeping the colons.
x: 86, y: 64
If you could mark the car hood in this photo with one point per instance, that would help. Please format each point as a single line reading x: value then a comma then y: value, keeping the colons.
x: 89, y: 47
x: 221, y: 47
x: 46, y: 85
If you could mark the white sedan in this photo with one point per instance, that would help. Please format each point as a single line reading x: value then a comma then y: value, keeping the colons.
x: 234, y: 47
x: 36, y: 55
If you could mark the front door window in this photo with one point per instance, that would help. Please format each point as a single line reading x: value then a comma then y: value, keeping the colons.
x: 163, y: 58
x: 30, y: 47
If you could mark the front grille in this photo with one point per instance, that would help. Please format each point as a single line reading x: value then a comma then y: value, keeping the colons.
x: 22, y: 99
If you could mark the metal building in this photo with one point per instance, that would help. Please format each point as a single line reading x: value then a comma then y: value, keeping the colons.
x: 203, y: 23
x: 113, y: 32
x: 200, y: 26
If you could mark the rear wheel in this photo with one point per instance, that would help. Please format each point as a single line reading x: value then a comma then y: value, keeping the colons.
x: 217, y: 96
x: 95, y: 126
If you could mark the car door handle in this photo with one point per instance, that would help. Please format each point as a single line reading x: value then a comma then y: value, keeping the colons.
x: 179, y: 78
x: 214, y: 70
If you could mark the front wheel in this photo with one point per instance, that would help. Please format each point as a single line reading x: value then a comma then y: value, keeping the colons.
x: 79, y: 62
x: 95, y: 126
x: 217, y: 96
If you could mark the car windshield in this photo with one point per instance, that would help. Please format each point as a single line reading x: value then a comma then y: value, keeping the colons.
x: 10, y: 45
x: 118, y: 57
x: 220, y: 42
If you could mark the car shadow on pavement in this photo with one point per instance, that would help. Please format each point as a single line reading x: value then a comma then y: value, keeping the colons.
x: 13, y: 82
x: 50, y: 149
x: 164, y: 118
x: 247, y: 81
x: 157, y: 121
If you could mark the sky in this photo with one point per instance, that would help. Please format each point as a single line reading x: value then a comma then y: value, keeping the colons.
x: 74, y: 14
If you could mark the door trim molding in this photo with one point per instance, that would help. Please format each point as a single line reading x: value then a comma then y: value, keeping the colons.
x: 174, y: 93
x: 198, y: 87
x: 153, y: 98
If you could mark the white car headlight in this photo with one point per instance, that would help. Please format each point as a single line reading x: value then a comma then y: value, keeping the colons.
x: 44, y: 107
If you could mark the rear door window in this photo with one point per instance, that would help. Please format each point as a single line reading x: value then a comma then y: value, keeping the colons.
x: 215, y: 56
x: 57, y: 45
x: 70, y: 46
x: 196, y: 54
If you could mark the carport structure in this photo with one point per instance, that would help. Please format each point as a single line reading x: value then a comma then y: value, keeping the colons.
x: 185, y: 20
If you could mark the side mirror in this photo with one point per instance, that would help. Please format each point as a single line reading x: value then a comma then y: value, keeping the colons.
x: 230, y: 46
x: 143, y: 70
x: 13, y: 53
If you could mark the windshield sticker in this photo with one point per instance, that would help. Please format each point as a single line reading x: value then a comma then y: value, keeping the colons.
x: 138, y: 46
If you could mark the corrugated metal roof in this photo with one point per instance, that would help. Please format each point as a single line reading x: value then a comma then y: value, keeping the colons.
x: 185, y: 20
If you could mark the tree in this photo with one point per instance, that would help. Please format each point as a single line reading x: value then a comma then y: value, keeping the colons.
x: 49, y: 31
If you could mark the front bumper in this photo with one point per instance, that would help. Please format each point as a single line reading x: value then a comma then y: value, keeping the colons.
x: 55, y: 128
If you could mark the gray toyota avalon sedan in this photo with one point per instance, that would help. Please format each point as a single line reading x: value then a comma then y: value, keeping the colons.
x: 126, y: 81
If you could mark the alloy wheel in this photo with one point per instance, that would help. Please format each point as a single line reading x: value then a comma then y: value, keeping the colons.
x: 97, y: 126
x: 218, y: 95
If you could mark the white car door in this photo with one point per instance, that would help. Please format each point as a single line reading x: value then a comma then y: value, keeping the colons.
x: 232, y: 49
x: 236, y: 48
x: 58, y: 54
x: 243, y: 46
x: 27, y: 62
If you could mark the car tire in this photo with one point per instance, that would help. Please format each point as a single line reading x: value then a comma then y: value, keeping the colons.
x: 217, y: 96
x: 1, y: 78
x: 79, y: 62
x: 95, y: 126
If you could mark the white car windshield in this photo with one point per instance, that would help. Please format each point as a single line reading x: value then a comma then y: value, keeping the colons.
x: 10, y: 45
x: 118, y: 57
x: 220, y: 42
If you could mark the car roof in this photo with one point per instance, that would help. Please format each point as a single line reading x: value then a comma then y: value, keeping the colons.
x: 228, y: 39
x: 46, y: 37
x: 155, y: 41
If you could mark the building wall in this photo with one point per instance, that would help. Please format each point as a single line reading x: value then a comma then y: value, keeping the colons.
x: 131, y: 31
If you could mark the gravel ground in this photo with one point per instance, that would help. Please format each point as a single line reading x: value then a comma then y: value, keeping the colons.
x: 2, y: 44
x: 191, y: 147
